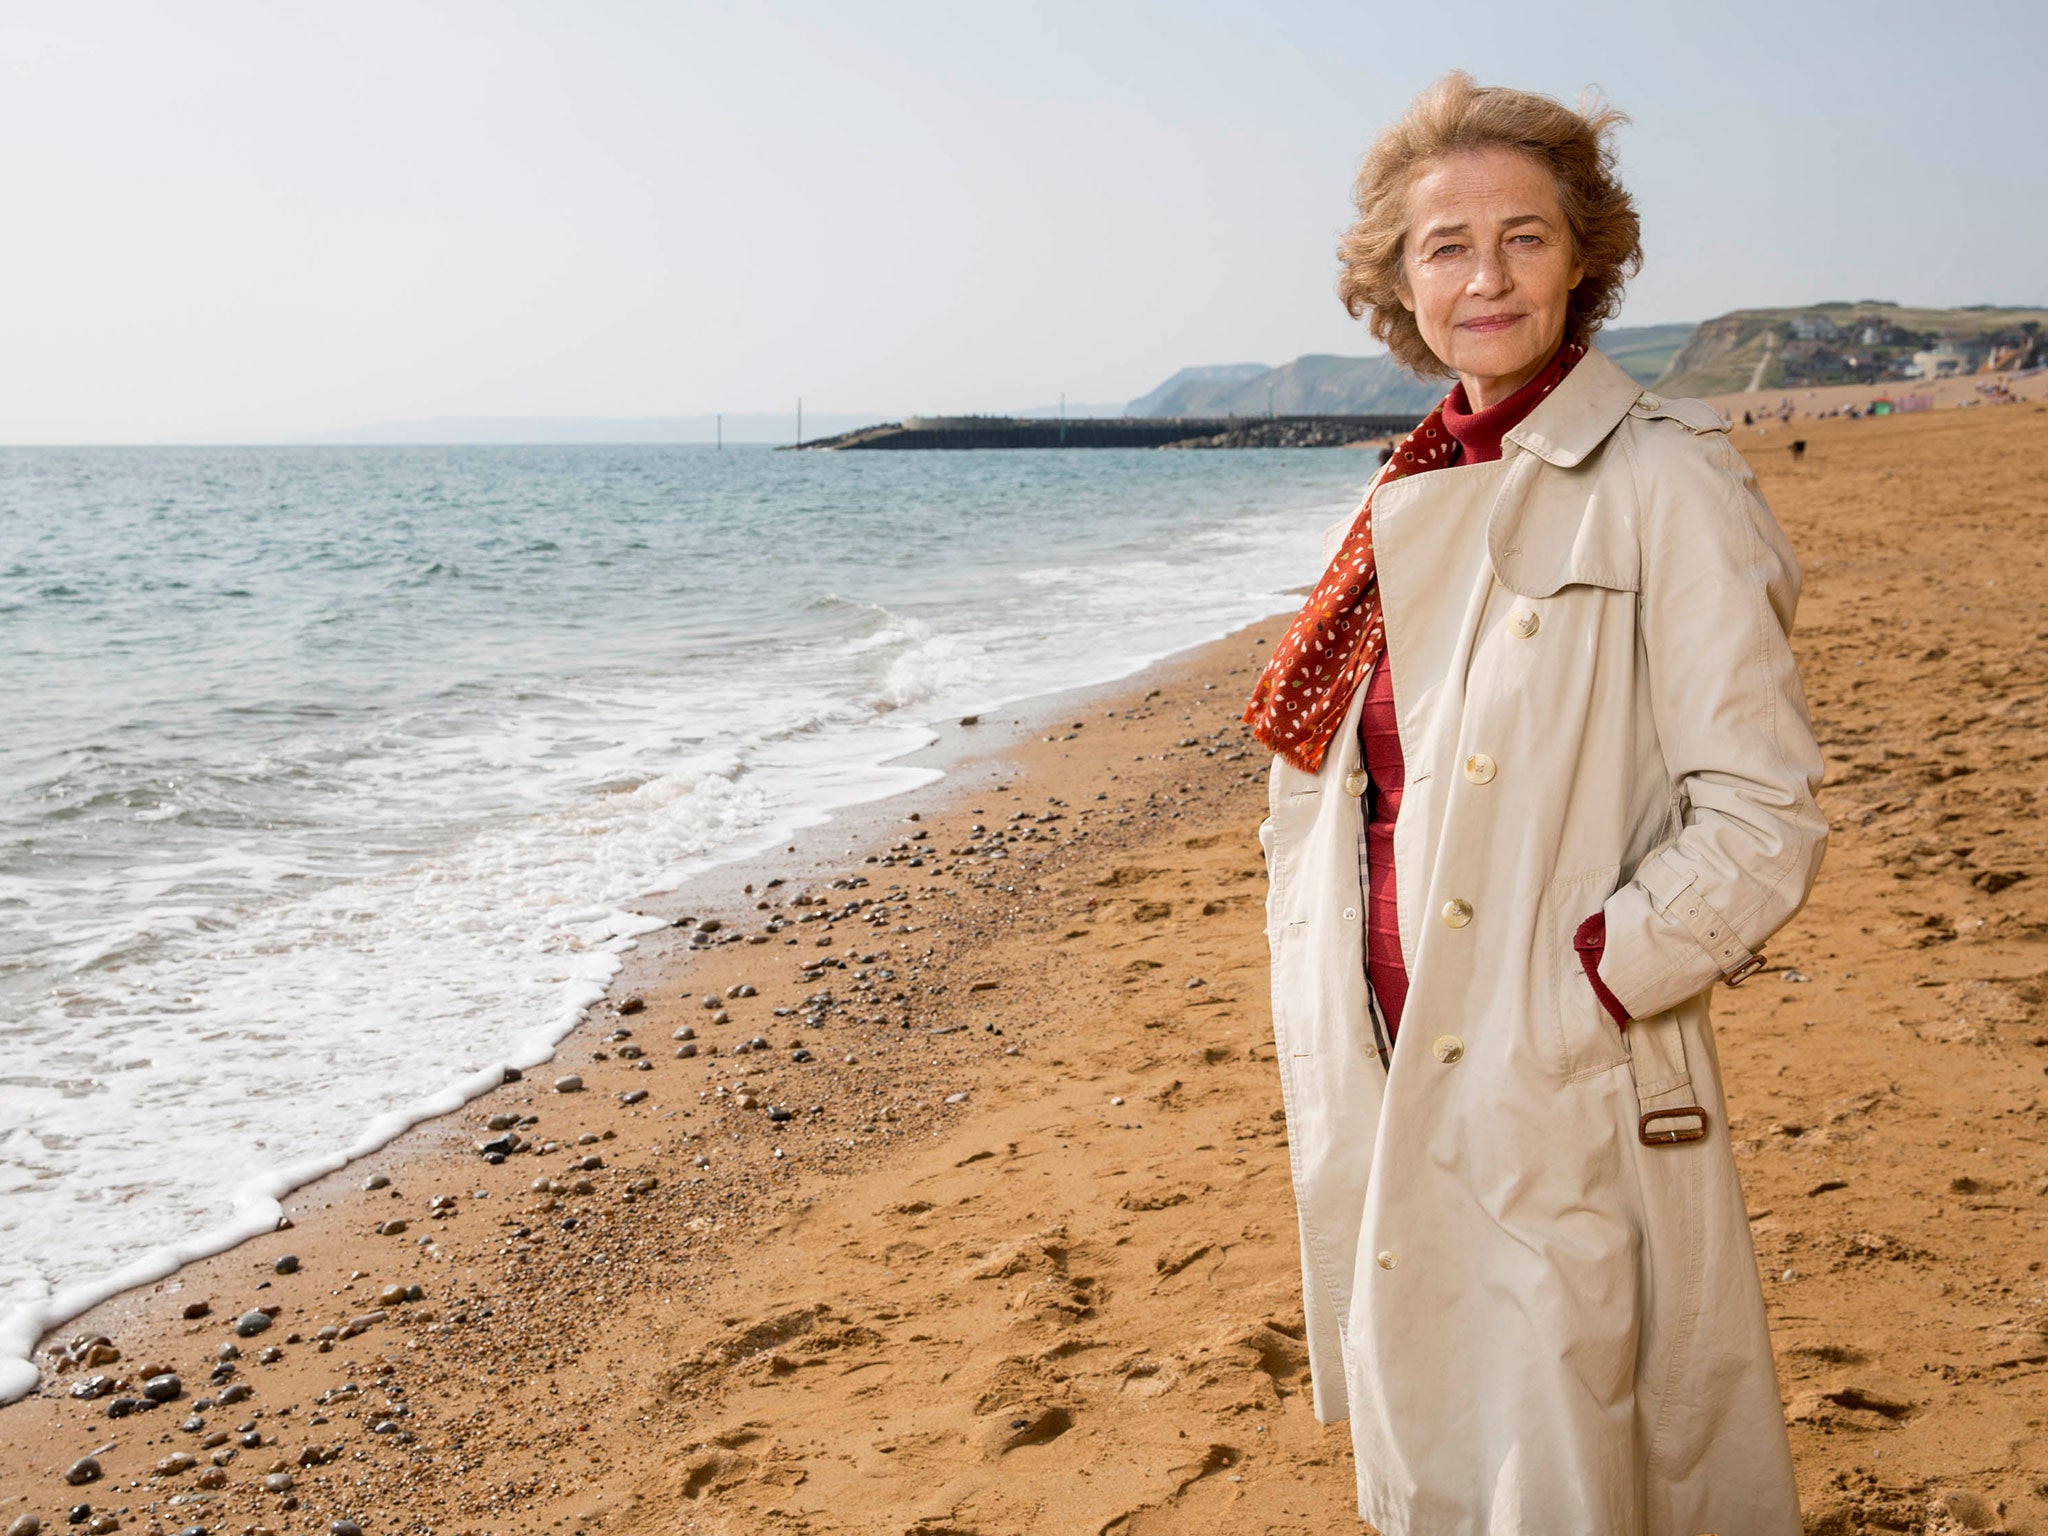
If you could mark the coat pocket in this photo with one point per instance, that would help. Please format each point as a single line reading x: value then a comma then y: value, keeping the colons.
x: 1581, y: 1037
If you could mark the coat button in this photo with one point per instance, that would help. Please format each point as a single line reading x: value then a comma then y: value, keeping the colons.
x: 1387, y: 1259
x: 1523, y: 622
x: 1447, y: 1049
x: 1351, y: 914
x: 1354, y: 782
x: 1480, y: 768
x: 1457, y: 911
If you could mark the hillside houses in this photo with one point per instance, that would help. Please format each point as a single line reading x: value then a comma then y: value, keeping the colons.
x: 1867, y: 349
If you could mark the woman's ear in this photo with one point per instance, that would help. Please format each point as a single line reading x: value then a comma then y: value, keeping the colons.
x: 1401, y: 289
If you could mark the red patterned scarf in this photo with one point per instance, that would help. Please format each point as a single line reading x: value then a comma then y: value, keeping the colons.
x: 1301, y: 697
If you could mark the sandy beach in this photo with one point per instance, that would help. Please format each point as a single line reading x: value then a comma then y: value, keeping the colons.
x: 962, y: 1208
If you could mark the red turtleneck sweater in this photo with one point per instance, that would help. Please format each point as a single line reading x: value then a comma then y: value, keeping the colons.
x: 1478, y: 436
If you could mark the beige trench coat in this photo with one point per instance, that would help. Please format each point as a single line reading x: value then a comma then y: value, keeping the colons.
x: 1540, y: 1317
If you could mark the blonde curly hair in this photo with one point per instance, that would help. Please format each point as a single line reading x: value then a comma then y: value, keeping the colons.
x: 1457, y: 114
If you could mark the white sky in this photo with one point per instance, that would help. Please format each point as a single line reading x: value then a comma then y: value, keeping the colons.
x: 280, y: 217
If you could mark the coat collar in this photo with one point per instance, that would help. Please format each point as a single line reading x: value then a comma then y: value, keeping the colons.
x: 1575, y: 418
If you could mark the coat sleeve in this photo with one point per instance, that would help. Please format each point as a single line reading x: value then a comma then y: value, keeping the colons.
x: 1719, y: 586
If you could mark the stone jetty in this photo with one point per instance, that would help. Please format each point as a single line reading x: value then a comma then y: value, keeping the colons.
x: 1122, y: 432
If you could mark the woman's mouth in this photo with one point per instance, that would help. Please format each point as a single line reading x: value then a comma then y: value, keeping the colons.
x: 1486, y: 325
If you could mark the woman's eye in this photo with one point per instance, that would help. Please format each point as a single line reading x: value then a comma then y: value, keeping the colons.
x: 1447, y: 250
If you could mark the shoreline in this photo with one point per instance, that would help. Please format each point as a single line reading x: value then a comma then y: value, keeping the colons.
x: 148, y: 1319
x: 256, y: 1205
x: 1069, y: 1299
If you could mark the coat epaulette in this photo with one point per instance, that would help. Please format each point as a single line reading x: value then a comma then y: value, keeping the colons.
x: 1695, y: 414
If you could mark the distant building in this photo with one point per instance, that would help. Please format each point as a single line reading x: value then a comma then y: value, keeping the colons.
x: 1815, y: 328
x: 1950, y: 356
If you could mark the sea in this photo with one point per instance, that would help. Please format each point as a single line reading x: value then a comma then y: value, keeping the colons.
x: 334, y: 780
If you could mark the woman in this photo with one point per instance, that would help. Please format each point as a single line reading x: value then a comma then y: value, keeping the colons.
x: 1538, y: 729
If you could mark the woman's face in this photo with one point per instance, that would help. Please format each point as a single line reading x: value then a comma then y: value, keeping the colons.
x: 1487, y: 266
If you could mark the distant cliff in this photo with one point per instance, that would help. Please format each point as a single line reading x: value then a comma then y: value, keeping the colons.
x: 1322, y: 385
x: 1865, y: 342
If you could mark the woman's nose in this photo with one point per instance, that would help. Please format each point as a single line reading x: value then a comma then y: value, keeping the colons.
x: 1489, y: 276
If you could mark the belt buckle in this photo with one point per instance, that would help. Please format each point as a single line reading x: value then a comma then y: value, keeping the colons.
x: 1744, y: 971
x: 1665, y: 1138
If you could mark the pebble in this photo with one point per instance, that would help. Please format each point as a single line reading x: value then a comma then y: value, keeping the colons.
x: 236, y: 1393
x: 198, y: 1308
x: 176, y: 1462
x: 687, y: 1032
x: 376, y: 1181
x: 390, y: 1228
x: 501, y: 1122
x: 92, y: 1386
x: 163, y: 1389
x: 249, y: 1324
x: 344, y: 1528
x: 101, y: 1523
x: 84, y: 1470
x: 778, y: 1114
x: 633, y: 1096
x: 277, y: 1482
x: 24, y: 1525
x: 686, y: 1050
x: 721, y: 1017
x: 287, y: 1265
x: 633, y: 1005
x: 569, y: 1083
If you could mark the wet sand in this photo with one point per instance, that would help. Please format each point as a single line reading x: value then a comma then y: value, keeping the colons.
x: 1026, y: 1261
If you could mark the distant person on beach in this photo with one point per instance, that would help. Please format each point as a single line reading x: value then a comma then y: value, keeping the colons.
x: 1546, y: 671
